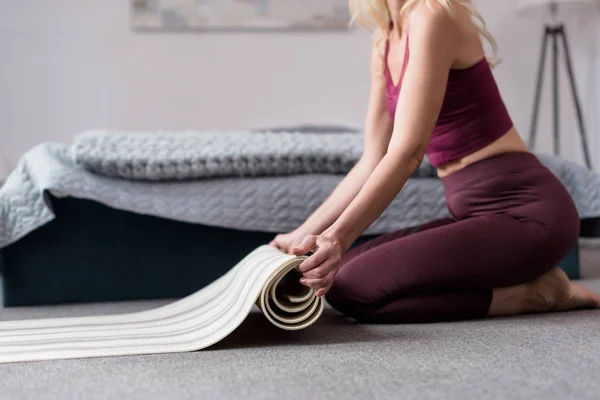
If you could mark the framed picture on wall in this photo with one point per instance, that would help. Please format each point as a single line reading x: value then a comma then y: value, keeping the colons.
x: 190, y: 15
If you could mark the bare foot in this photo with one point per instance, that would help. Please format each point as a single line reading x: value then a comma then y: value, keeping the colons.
x: 580, y: 297
x: 554, y: 292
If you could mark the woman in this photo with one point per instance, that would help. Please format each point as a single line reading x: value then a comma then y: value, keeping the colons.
x: 512, y: 221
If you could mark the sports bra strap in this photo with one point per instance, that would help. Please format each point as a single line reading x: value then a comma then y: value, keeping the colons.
x: 406, y: 54
x: 404, y: 63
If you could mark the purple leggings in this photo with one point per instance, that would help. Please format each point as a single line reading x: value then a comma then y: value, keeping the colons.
x: 512, y: 221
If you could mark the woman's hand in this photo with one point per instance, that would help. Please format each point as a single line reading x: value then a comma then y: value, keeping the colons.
x: 287, y: 241
x: 321, y: 267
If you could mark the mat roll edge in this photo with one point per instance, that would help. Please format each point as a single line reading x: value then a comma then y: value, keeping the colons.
x: 266, y: 277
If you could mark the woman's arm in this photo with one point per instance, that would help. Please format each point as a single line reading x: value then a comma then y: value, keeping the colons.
x: 434, y: 41
x: 378, y: 130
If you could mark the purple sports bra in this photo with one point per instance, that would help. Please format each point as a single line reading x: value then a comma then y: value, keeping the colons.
x: 472, y: 116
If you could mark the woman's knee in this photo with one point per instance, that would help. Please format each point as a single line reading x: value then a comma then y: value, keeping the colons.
x: 348, y: 296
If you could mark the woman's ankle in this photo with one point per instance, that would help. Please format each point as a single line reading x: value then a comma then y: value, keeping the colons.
x: 546, y: 293
x: 509, y: 301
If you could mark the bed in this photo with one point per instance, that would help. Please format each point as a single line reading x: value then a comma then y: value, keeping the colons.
x: 69, y: 234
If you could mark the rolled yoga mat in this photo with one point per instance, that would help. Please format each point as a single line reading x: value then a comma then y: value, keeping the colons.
x: 266, y: 277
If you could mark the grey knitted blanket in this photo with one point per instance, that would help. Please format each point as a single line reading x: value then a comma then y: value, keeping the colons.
x: 167, y: 156
x: 267, y: 204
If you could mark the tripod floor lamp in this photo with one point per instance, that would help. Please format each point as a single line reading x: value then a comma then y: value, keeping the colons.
x: 555, y: 33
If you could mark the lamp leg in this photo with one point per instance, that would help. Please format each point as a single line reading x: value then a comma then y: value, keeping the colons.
x: 582, y: 132
x: 555, y: 90
x: 538, y: 89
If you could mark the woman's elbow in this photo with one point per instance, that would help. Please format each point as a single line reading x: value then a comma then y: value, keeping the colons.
x: 412, y: 163
x: 410, y: 158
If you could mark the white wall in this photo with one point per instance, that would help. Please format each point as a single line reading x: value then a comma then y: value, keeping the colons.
x: 520, y: 40
x: 70, y: 65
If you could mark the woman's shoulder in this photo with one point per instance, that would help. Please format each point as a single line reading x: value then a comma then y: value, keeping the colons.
x: 432, y: 18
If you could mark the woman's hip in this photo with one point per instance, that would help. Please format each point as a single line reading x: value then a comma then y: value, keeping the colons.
x: 516, y: 184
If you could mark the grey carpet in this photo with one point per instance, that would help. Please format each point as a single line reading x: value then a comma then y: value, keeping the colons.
x: 552, y: 356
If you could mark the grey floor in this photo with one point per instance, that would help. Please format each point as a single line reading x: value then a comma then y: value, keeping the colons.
x: 551, y: 356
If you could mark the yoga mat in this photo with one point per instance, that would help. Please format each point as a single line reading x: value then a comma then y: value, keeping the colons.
x: 266, y: 277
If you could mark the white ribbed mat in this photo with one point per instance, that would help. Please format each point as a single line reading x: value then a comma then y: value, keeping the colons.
x: 266, y: 277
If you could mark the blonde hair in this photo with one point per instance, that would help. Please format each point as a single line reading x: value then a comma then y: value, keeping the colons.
x: 374, y: 16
